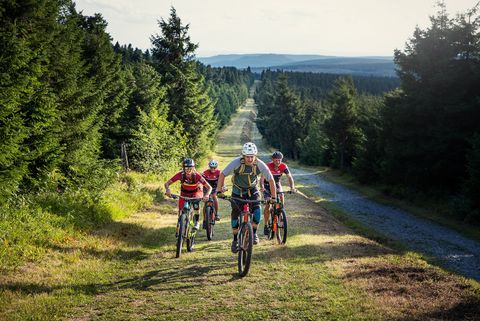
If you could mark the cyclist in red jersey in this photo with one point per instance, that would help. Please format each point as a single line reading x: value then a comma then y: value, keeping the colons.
x: 211, y: 176
x: 191, y: 186
x: 277, y: 168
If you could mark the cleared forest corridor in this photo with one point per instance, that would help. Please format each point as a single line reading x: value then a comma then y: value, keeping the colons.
x: 128, y: 271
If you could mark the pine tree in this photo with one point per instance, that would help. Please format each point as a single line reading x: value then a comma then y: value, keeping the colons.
x: 28, y: 117
x: 342, y: 126
x: 190, y: 105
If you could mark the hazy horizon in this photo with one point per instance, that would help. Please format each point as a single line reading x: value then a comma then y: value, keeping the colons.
x: 345, y: 28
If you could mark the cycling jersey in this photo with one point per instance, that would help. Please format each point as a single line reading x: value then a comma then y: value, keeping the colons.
x: 244, y: 177
x: 277, y: 172
x: 191, y: 185
x: 212, y: 178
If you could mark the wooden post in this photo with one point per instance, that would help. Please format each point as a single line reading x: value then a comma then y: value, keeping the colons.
x: 124, y: 156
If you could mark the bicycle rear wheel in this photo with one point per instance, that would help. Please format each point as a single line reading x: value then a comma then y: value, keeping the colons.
x: 245, y: 252
x: 182, y: 220
x: 209, y: 221
x: 282, y: 227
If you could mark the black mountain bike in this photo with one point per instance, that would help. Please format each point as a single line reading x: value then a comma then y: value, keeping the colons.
x: 277, y: 223
x: 245, y: 233
x: 185, y: 225
x: 209, y: 217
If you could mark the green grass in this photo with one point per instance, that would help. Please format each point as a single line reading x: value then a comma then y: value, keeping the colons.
x: 29, y: 229
x: 127, y: 270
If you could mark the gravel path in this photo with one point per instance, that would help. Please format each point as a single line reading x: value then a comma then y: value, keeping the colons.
x: 447, y: 247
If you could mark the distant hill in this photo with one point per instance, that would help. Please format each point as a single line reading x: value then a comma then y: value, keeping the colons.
x: 256, y: 60
x: 377, y: 66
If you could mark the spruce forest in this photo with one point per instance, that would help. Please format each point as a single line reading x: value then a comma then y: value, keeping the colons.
x: 70, y: 100
x: 417, y: 136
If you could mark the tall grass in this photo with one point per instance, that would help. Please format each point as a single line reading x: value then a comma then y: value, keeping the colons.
x: 34, y: 223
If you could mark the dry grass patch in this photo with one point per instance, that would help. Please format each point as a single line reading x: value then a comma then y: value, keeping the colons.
x: 408, y: 289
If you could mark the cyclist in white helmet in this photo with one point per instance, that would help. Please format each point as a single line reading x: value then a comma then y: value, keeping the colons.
x: 211, y: 176
x: 246, y: 170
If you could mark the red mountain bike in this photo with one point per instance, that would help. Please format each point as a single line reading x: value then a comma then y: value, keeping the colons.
x: 209, y: 217
x: 277, y: 222
x: 245, y: 232
x: 185, y: 230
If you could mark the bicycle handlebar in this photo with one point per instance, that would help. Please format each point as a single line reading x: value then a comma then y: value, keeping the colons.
x: 287, y: 192
x: 230, y: 198
x: 175, y: 196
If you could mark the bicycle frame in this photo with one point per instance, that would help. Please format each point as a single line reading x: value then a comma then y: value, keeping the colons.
x: 276, y: 211
x: 245, y: 233
x: 185, y: 224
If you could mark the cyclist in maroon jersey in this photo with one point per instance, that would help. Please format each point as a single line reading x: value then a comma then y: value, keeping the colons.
x: 191, y: 186
x: 211, y: 176
x: 277, y: 168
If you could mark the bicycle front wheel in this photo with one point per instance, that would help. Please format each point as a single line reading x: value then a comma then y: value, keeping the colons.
x: 182, y: 221
x: 245, y: 252
x: 190, y: 237
x: 209, y: 221
x: 282, y: 227
x: 271, y: 225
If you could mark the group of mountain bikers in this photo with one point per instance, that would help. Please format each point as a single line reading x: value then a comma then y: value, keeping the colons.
x: 246, y: 171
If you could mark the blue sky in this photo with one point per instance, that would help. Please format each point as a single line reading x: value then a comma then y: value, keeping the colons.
x: 328, y: 27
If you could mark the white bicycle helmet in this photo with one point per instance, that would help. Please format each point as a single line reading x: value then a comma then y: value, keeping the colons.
x: 213, y: 163
x: 249, y: 149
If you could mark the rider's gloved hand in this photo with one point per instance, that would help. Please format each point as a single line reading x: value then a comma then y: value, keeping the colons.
x: 271, y: 201
x: 293, y: 190
x: 205, y: 198
x: 168, y: 192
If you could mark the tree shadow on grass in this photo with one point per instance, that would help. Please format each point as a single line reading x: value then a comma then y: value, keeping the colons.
x: 179, y: 275
x: 321, y: 253
x: 113, y: 254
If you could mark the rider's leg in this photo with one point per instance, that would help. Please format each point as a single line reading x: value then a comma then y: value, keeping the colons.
x: 266, y: 212
x: 196, y: 215
x: 235, y: 226
x: 204, y: 225
x: 215, y: 204
x: 257, y: 215
x: 181, y: 202
x: 266, y: 218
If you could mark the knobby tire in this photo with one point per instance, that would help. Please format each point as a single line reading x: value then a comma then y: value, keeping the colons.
x: 282, y: 227
x: 181, y: 232
x: 209, y: 222
x: 245, y: 250
x: 190, y: 237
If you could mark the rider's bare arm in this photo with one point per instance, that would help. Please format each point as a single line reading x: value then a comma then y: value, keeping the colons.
x: 273, y: 188
x: 208, y: 186
x: 262, y: 182
x: 291, y: 183
x: 221, y: 181
x: 167, y: 188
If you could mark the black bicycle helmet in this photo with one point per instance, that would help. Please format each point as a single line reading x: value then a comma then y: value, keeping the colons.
x: 277, y: 154
x: 188, y: 162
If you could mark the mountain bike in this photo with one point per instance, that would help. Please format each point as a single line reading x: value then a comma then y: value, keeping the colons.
x: 185, y: 225
x: 277, y: 223
x: 245, y: 232
x: 209, y: 217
